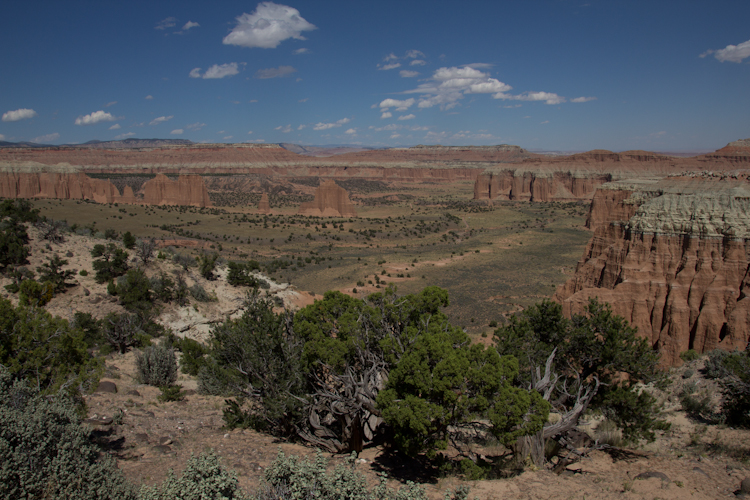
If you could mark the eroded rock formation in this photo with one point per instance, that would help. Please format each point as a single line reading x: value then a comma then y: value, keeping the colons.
x: 672, y: 257
x: 186, y: 190
x: 331, y: 200
x: 70, y: 185
x: 264, y: 206
x: 524, y: 185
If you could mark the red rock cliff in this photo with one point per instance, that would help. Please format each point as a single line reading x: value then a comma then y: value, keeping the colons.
x: 542, y: 185
x: 186, y: 190
x: 331, y: 200
x: 672, y: 257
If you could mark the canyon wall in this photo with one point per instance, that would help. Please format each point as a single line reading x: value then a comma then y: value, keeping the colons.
x: 264, y: 206
x: 672, y: 257
x: 331, y: 200
x: 66, y: 184
x: 524, y: 185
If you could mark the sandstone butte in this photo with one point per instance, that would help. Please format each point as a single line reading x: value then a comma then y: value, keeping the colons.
x: 264, y: 206
x: 66, y: 184
x: 331, y: 200
x: 672, y: 257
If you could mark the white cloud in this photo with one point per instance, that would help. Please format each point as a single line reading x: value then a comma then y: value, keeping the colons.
x: 385, y: 115
x: 125, y: 136
x: 389, y: 127
x: 220, y: 71
x: 395, y: 135
x: 407, y: 117
x: 116, y: 126
x: 389, y: 66
x: 95, y: 117
x: 161, y: 119
x: 284, y: 129
x: 195, y: 73
x: 351, y: 131
x: 583, y: 99
x: 301, y: 127
x: 733, y: 53
x: 326, y: 126
x: 46, y: 138
x: 545, y: 122
x: 417, y: 62
x: 395, y: 103
x: 490, y: 86
x: 279, y: 72
x: 408, y: 74
x: 448, y: 85
x: 18, y: 114
x: 149, y: 97
x: 414, y: 54
x: 177, y: 131
x: 301, y: 51
x: 268, y: 26
x: 547, y: 97
x: 190, y: 24
x: 227, y: 137
x: 165, y: 23
x: 195, y: 126
x: 390, y: 57
x: 111, y: 103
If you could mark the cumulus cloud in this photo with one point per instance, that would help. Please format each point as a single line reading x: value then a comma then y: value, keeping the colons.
x: 116, y: 126
x: 351, y: 131
x: 417, y: 62
x: 217, y: 71
x: 385, y: 115
x: 405, y: 73
x: 402, y: 105
x: 448, y: 85
x: 169, y: 22
x: 149, y: 97
x: 279, y: 72
x: 284, y: 129
x: 268, y: 26
x: 395, y: 135
x: 410, y: 116
x: 18, y: 114
x: 583, y: 99
x: 414, y: 54
x: 326, y: 126
x: 125, y: 136
x: 190, y: 24
x: 46, y: 138
x: 161, y: 119
x: 95, y: 117
x: 177, y: 131
x: 111, y: 103
x: 731, y: 53
x: 195, y: 73
x: 301, y: 51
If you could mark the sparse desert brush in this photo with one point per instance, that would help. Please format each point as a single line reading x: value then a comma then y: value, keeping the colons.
x: 608, y: 433
x: 156, y: 366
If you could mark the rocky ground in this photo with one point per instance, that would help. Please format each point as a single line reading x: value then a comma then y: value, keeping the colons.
x: 148, y: 437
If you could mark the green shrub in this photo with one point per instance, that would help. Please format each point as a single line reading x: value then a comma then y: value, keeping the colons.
x: 113, y: 262
x: 47, y: 454
x: 689, y: 355
x: 240, y: 274
x: 123, y: 331
x: 156, y: 366
x: 33, y: 293
x: 207, y: 264
x: 714, y: 367
x: 45, y: 350
x: 13, y: 244
x: 201, y: 295
x: 52, y: 272
x: 193, y: 356
x: 697, y: 407
x: 83, y: 272
x: 128, y: 240
x: 163, y: 287
x: 204, y: 478
x: 134, y: 292
x: 735, y: 387
x: 171, y: 393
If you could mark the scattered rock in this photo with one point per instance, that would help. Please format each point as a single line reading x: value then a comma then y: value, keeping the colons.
x: 106, y: 386
x: 745, y: 486
x: 162, y: 448
x: 133, y: 392
x: 164, y: 441
x: 141, y: 437
x: 652, y: 473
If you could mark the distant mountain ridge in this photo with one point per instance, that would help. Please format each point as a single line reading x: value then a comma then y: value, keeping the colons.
x: 131, y: 143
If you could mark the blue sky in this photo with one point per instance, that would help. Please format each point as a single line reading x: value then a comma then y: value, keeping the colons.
x: 545, y: 75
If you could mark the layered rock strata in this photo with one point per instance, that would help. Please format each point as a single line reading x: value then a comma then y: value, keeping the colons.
x: 524, y: 185
x: 331, y: 200
x: 186, y: 190
x: 672, y: 257
x: 65, y: 184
